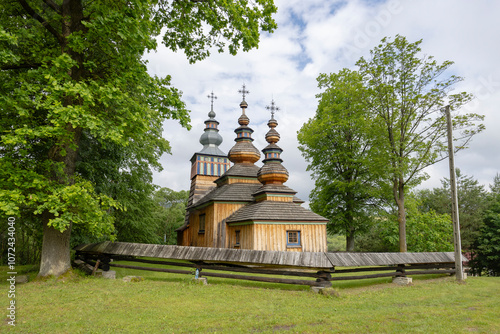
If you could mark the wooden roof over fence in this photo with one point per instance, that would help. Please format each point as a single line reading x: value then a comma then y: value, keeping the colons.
x: 319, y: 260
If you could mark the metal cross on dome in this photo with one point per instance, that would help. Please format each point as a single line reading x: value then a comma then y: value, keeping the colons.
x: 273, y: 108
x: 212, y: 97
x: 243, y: 91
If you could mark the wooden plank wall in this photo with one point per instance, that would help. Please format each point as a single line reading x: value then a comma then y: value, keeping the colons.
x: 273, y: 237
x: 222, y: 211
x: 215, y: 230
x: 247, y: 236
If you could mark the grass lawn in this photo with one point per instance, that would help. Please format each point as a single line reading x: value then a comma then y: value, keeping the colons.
x: 169, y: 303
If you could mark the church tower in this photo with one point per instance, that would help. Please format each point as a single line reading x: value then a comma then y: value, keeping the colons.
x: 247, y: 207
x: 210, y: 163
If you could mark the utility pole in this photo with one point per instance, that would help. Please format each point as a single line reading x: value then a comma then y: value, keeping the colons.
x: 454, y: 200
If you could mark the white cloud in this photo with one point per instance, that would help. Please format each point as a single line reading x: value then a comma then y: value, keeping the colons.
x: 325, y: 36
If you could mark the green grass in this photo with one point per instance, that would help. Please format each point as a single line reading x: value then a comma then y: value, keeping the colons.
x: 169, y: 303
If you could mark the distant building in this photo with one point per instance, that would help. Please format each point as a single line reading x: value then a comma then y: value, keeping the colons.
x: 245, y: 206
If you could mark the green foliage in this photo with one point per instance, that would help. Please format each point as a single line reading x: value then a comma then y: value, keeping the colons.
x: 377, y: 129
x: 43, y: 106
x: 427, y: 231
x: 486, y: 254
x: 495, y: 187
x: 72, y: 79
x: 171, y: 212
x: 196, y: 26
x: 336, y: 243
x: 405, y: 94
x: 337, y: 146
x: 472, y: 203
x: 28, y: 239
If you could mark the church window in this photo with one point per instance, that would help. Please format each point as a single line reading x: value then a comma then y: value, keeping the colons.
x: 293, y: 238
x: 237, y: 238
x: 201, y: 228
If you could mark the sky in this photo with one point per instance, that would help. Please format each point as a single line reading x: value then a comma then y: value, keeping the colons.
x: 321, y: 36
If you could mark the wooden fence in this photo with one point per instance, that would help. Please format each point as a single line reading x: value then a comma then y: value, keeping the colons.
x: 313, y: 269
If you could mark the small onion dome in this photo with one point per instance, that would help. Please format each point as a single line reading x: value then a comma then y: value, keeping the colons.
x: 272, y: 136
x: 272, y: 123
x: 273, y: 172
x: 211, y: 137
x: 244, y: 152
x: 243, y: 120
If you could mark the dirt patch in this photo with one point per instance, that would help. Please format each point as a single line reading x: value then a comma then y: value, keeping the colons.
x: 283, y: 328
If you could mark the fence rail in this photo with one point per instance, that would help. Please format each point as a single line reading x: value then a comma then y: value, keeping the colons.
x: 105, y: 256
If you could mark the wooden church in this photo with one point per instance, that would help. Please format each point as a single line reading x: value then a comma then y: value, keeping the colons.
x: 245, y: 206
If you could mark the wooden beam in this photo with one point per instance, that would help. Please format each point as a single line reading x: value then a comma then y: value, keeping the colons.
x: 163, y: 270
x: 408, y: 273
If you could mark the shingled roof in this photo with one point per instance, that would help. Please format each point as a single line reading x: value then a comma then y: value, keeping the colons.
x: 244, y: 170
x: 235, y: 192
x: 275, y: 188
x: 274, y: 211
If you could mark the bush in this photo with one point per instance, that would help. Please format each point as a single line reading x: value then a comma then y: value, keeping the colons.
x: 486, y: 254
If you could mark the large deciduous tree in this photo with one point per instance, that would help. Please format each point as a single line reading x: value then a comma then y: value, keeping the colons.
x: 406, y: 92
x: 74, y: 68
x: 337, y: 145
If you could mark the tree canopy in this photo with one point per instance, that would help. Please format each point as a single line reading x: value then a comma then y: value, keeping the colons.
x: 337, y: 144
x: 386, y: 125
x: 72, y: 73
x: 406, y: 92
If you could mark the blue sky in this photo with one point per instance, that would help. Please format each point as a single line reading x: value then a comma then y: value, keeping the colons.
x: 316, y: 37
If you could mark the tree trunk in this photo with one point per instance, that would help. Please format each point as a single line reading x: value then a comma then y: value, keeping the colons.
x: 349, y: 240
x: 400, y: 200
x: 55, y: 257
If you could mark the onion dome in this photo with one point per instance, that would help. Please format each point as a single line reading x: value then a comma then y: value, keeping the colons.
x: 244, y: 151
x: 211, y: 139
x: 273, y: 172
